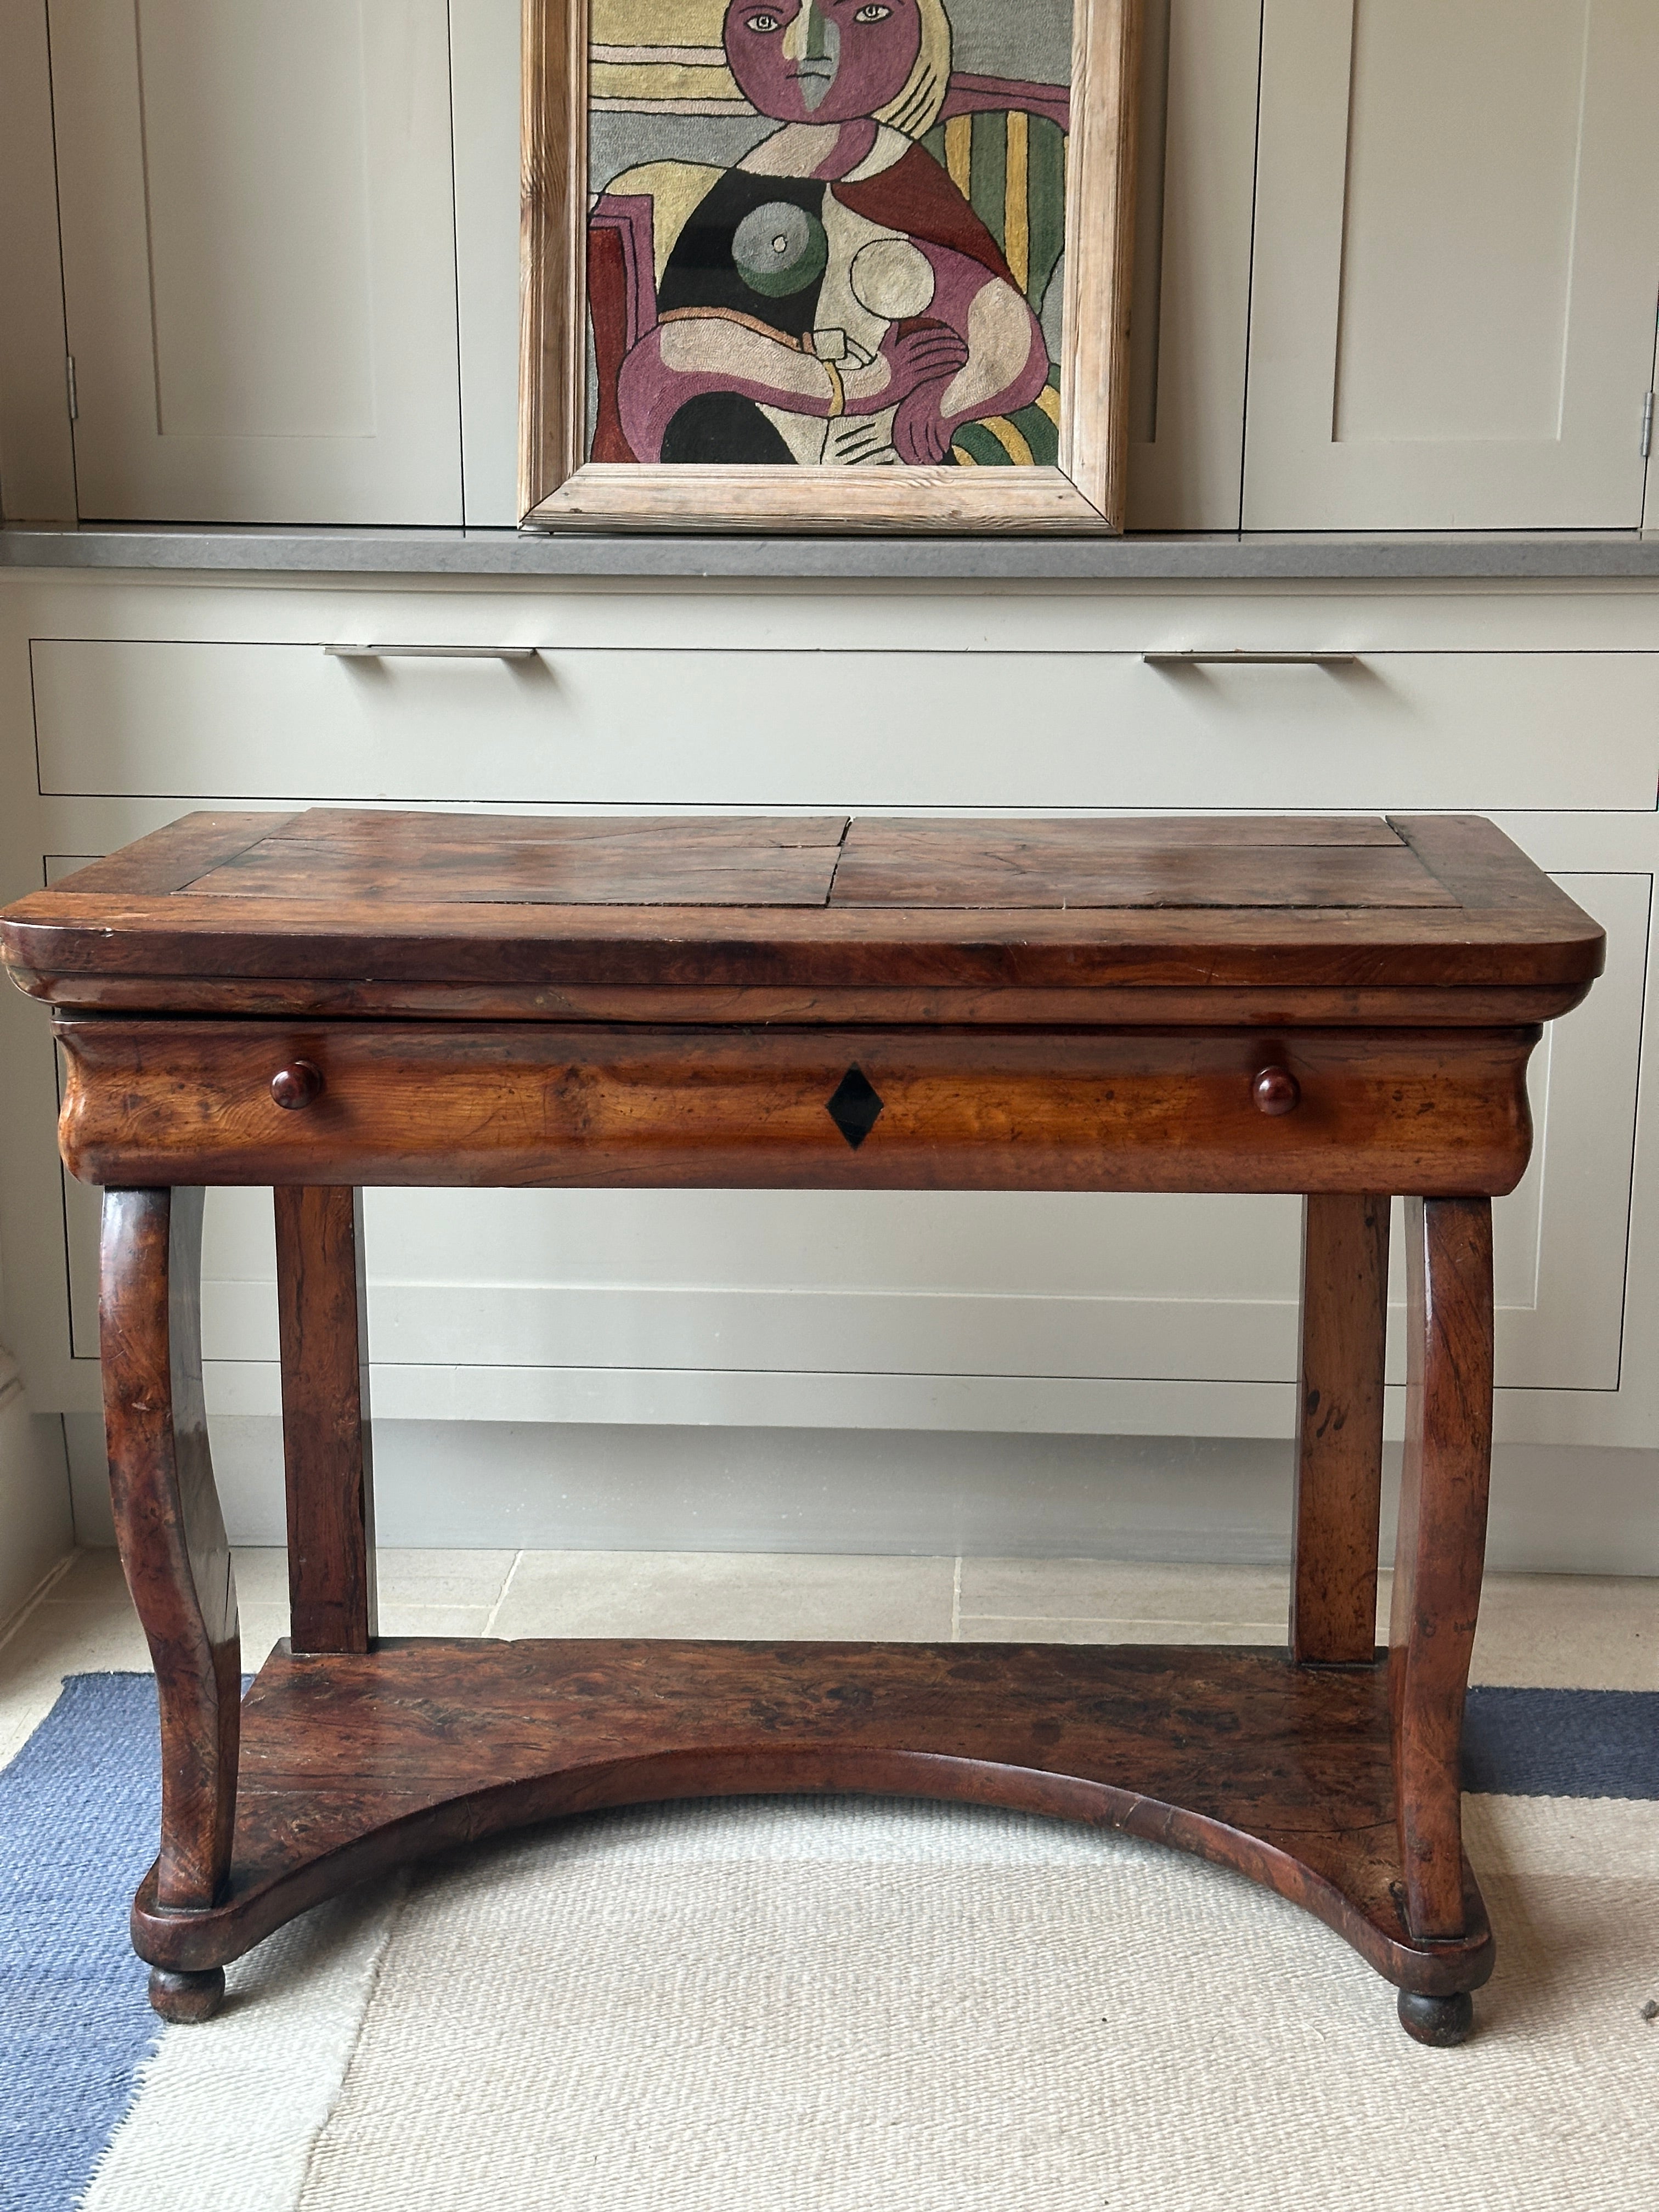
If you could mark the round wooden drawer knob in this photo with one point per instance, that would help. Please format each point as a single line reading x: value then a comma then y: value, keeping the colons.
x: 297, y: 1084
x: 1276, y: 1091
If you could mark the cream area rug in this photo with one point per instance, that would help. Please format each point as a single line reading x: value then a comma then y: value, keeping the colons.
x: 862, y: 2006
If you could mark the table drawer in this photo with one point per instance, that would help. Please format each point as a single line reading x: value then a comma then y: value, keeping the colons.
x: 982, y: 727
x: 1415, y: 1111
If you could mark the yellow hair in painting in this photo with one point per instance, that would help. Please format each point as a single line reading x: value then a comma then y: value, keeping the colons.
x: 914, y: 108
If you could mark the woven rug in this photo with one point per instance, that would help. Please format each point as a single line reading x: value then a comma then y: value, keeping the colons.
x: 845, y: 2005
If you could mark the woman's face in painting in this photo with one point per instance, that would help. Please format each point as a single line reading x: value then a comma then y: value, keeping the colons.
x: 822, y: 61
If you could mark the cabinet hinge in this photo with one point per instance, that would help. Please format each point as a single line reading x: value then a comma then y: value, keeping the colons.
x: 75, y: 404
x: 1647, y: 426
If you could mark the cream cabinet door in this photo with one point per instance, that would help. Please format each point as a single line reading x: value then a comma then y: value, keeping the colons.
x: 1190, y: 320
x: 1457, y: 259
x: 259, y: 258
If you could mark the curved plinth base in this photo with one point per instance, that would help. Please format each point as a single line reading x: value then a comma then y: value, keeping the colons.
x: 352, y: 1763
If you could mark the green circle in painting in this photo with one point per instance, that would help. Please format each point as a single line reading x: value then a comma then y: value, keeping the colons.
x: 779, y: 249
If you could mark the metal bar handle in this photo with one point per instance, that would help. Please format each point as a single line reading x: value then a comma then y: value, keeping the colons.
x: 1199, y: 659
x: 433, y: 652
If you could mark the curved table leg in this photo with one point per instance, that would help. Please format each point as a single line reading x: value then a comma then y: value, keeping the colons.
x: 174, y: 1547
x: 1438, y: 1563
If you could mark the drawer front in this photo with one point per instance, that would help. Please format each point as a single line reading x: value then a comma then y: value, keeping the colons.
x: 1414, y: 1111
x: 788, y: 727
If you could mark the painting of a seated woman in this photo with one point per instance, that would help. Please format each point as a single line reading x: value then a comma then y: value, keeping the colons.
x: 835, y: 238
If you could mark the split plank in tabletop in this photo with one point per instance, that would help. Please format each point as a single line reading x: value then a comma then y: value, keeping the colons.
x: 998, y: 873
x: 571, y: 860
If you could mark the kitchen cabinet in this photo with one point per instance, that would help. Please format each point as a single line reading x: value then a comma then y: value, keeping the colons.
x: 1455, y: 264
x: 1397, y: 263
x: 1190, y: 315
x: 256, y: 212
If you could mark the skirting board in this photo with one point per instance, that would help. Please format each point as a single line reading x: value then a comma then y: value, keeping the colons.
x: 506, y: 1485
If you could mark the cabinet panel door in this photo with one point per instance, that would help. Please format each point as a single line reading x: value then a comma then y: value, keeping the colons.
x: 37, y: 463
x: 484, y: 83
x: 1452, y: 313
x: 1192, y: 287
x: 259, y: 257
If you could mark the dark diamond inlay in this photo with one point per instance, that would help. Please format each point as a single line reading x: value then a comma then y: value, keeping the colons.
x: 853, y: 1106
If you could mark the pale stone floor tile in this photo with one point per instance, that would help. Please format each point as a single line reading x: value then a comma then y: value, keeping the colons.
x: 85, y: 1635
x: 92, y: 1575
x: 717, y: 1594
x: 1123, y: 1589
x: 418, y: 1619
x: 261, y: 1626
x: 55, y: 1637
x: 261, y: 1572
x: 23, y: 1705
x: 1052, y: 1628
x: 433, y: 1577
x: 403, y: 1575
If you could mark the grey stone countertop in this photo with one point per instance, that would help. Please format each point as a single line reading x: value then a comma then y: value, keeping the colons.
x: 1264, y: 557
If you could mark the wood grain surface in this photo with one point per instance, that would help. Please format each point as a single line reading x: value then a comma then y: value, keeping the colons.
x: 578, y: 860
x: 300, y: 997
x: 1441, y: 1546
x: 609, y: 495
x: 1434, y: 1110
x: 354, y: 1764
x: 327, y: 1454
x: 1338, y: 1460
x: 168, y: 859
x: 553, y: 194
x: 168, y: 1525
x: 1496, y: 923
x: 1100, y: 188
x: 1294, y: 877
x: 1158, y: 863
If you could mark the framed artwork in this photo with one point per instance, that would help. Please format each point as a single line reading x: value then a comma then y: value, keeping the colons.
x: 826, y: 265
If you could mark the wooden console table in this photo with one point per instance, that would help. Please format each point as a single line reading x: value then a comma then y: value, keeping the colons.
x: 1338, y: 1008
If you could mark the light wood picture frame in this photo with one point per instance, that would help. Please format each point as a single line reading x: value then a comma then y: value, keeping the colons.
x: 572, y: 234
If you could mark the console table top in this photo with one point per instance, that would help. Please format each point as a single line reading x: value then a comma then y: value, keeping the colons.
x: 352, y: 909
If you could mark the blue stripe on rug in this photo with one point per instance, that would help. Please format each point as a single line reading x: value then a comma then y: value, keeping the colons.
x: 79, y: 1809
x: 1562, y: 1743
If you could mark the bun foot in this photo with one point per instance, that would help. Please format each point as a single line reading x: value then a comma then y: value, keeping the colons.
x: 186, y: 1996
x: 1438, y: 2021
